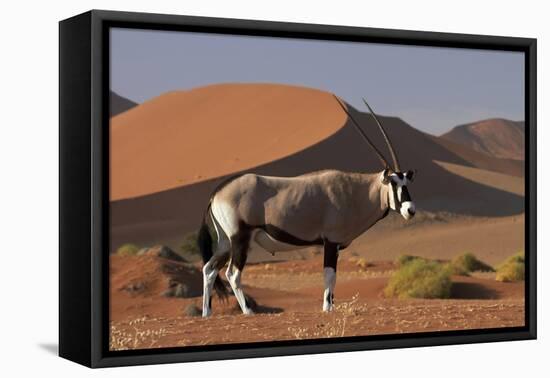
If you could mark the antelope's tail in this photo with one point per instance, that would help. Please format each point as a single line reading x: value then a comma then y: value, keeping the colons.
x: 204, y: 241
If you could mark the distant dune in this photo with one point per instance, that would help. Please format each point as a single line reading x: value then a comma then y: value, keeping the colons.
x: 496, y: 137
x: 481, y: 160
x: 119, y: 104
x: 169, y: 153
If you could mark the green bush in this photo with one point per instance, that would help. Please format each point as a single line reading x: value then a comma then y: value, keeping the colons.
x: 466, y: 263
x: 362, y: 263
x: 405, y: 259
x: 127, y: 249
x: 420, y: 278
x: 189, y: 244
x: 512, y: 269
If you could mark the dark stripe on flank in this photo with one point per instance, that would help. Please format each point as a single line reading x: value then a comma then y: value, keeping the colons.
x: 284, y: 237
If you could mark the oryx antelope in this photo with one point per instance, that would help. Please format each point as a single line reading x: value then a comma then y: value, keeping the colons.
x: 329, y: 208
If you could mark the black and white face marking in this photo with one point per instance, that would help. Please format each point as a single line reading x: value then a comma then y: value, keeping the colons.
x: 398, y: 194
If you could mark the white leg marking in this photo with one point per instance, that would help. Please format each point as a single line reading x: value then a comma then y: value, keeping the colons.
x: 330, y: 282
x: 208, y: 277
x: 234, y: 278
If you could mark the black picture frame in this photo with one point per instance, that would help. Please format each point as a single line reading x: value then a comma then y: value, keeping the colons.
x: 84, y: 194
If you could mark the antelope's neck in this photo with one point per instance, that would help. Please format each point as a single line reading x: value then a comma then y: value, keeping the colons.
x: 368, y: 205
x: 375, y: 193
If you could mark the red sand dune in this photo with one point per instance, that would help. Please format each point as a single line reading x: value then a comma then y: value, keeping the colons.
x: 181, y: 138
x: 496, y: 137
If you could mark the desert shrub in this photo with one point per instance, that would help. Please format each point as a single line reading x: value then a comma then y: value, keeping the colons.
x: 405, y: 259
x: 362, y: 263
x: 192, y: 310
x: 517, y: 258
x: 512, y: 269
x: 420, y: 278
x: 466, y: 263
x: 178, y: 290
x: 127, y: 249
x: 189, y: 244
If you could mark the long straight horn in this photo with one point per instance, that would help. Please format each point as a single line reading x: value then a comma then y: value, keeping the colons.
x: 365, y: 137
x: 390, y: 146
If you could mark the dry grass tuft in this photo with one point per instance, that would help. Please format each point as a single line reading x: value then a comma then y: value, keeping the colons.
x: 405, y: 259
x: 336, y: 327
x: 466, y: 263
x: 512, y: 269
x: 362, y: 263
x: 132, y: 337
x: 192, y: 310
x: 127, y: 249
x: 420, y: 278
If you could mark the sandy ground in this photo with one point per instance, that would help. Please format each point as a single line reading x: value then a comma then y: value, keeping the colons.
x: 443, y: 236
x: 289, y: 300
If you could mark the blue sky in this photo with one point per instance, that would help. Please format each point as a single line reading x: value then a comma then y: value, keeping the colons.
x: 431, y: 88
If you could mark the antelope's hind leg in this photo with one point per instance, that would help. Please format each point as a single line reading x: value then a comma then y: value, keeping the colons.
x: 240, y: 244
x: 212, y: 267
x: 329, y: 264
x: 210, y: 273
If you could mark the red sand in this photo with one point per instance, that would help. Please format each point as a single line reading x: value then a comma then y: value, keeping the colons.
x: 150, y: 321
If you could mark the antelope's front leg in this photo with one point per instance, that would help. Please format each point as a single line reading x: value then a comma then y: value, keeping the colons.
x: 329, y: 263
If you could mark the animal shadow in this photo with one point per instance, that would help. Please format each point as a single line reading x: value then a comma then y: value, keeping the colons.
x: 257, y: 308
x: 471, y: 290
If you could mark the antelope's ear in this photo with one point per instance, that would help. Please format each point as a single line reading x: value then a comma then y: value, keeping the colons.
x: 410, y: 175
x: 385, y: 178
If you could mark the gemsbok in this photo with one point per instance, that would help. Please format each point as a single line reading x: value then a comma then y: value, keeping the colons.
x: 329, y: 208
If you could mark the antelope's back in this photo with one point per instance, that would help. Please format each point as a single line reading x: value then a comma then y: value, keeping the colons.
x: 296, y: 204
